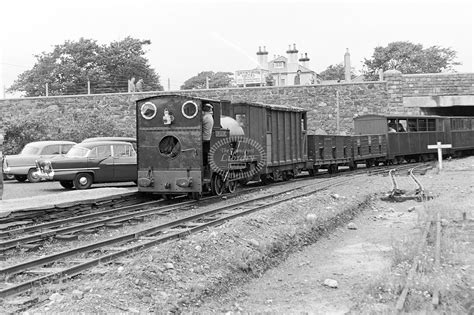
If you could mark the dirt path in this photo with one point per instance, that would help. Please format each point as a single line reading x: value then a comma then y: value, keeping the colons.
x: 353, y: 258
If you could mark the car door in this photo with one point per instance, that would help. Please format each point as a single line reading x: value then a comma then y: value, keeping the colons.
x: 125, y: 162
x: 101, y: 162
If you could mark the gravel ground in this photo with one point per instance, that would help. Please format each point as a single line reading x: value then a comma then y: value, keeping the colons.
x: 278, y: 260
x: 26, y: 195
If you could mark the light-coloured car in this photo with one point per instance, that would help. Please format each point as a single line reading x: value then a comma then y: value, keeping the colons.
x: 23, y: 166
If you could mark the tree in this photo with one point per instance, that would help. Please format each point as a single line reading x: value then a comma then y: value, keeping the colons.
x: 216, y: 80
x: 69, y: 67
x: 409, y: 58
x: 334, y: 72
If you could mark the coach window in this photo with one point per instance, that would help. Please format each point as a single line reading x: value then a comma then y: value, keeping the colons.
x: 467, y: 124
x: 402, y: 125
x: 431, y: 125
x: 412, y: 125
x: 422, y: 125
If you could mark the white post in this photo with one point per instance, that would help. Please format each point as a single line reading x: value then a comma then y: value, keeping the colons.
x: 88, y: 87
x: 47, y: 89
x: 440, y: 147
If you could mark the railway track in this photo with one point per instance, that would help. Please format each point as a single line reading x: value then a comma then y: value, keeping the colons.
x: 397, y: 194
x: 431, y: 227
x: 23, y: 276
x: 113, y: 215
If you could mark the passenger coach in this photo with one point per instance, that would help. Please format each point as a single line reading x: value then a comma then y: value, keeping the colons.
x: 409, y: 136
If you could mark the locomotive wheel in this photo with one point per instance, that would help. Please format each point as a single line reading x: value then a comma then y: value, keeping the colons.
x: 83, y: 181
x: 68, y: 184
x: 231, y: 187
x: 32, y: 176
x: 311, y: 172
x: 217, y: 185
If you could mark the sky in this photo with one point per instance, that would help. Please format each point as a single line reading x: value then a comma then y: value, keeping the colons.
x: 188, y: 37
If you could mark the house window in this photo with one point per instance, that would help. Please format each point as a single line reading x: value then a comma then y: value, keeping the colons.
x: 279, y: 65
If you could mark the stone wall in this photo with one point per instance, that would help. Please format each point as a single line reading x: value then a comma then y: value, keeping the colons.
x: 320, y: 100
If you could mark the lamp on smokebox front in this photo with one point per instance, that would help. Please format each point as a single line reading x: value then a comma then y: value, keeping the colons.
x: 167, y: 117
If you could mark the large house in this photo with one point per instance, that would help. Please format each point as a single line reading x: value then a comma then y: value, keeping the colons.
x: 281, y: 71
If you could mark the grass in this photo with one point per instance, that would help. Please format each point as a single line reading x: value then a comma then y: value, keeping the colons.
x: 454, y: 277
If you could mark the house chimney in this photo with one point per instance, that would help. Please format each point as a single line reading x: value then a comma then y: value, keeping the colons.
x: 304, y: 60
x: 262, y: 57
x: 347, y: 66
x: 292, y: 66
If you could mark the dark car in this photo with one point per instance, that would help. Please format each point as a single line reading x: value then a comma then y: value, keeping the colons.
x: 92, y: 162
x: 132, y: 140
x: 22, y: 166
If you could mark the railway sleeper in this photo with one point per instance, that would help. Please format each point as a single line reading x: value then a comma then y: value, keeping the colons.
x: 44, y: 271
x: 114, y: 225
x: 66, y: 237
x: 87, y: 231
x: 30, y: 247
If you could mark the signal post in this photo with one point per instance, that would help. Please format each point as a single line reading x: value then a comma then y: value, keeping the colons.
x: 440, y: 147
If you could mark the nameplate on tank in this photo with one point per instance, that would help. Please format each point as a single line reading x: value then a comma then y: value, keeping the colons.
x: 221, y: 133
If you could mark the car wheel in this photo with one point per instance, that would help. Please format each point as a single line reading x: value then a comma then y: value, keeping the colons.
x: 20, y: 178
x: 68, y: 184
x: 8, y: 177
x: 83, y: 181
x: 32, y: 176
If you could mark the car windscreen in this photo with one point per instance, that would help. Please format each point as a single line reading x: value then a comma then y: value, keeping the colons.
x: 29, y: 150
x: 78, y: 152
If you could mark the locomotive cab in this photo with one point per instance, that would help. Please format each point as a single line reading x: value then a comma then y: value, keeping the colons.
x: 174, y: 158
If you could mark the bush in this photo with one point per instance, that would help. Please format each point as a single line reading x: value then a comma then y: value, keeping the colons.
x: 75, y: 125
x: 18, y: 134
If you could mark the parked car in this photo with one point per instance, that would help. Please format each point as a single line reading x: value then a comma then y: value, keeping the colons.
x: 23, y: 167
x: 91, y: 162
x: 132, y: 140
